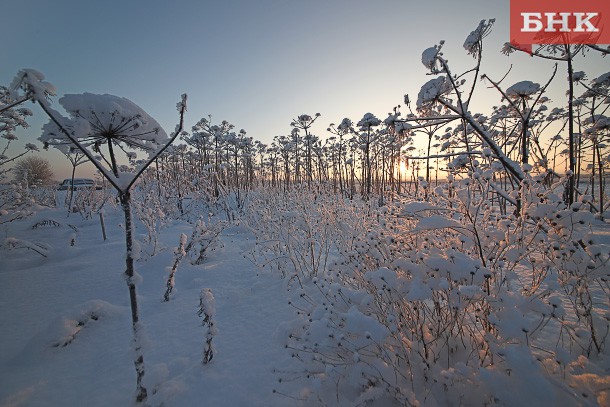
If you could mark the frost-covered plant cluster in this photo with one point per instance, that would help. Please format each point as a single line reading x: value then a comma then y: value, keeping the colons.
x: 11, y: 118
x: 204, y: 239
x: 450, y: 300
x: 91, y: 201
x: 489, y: 281
x: 16, y: 200
x: 297, y: 232
x: 152, y: 215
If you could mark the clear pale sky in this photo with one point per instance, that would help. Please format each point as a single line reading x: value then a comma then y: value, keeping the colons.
x: 257, y: 63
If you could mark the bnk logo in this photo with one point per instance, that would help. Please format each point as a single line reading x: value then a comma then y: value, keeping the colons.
x: 559, y: 22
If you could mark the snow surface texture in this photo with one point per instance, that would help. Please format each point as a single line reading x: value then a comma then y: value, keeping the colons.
x: 66, y: 322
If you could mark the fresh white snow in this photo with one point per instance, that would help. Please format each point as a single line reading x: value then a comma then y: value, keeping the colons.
x: 66, y: 337
x: 522, y: 89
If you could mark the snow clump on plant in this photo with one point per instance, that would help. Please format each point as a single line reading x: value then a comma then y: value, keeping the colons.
x: 522, y: 89
x: 102, y: 119
x: 432, y: 90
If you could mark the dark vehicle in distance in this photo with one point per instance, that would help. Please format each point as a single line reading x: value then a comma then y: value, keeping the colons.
x: 79, y: 183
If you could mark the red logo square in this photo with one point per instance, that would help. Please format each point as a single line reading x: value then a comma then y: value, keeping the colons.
x: 549, y: 22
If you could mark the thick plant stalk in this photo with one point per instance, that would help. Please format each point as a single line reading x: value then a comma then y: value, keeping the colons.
x: 133, y: 301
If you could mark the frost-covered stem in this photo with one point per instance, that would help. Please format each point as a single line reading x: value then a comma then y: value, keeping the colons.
x: 509, y: 164
x: 180, y: 253
x: 297, y: 163
x: 449, y: 76
x: 526, y: 114
x: 572, y: 163
x: 524, y: 139
x: 18, y: 102
x: 366, y: 176
x: 71, y: 191
x: 115, y: 168
x: 600, y: 165
x: 207, y: 309
x: 125, y: 198
x: 101, y: 213
x: 13, y: 158
x: 604, y: 51
x: 158, y: 177
x: 179, y: 128
x: 477, y: 69
x: 430, y: 134
x: 475, y: 233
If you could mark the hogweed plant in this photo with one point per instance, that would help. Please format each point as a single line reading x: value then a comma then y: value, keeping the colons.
x: 105, y: 128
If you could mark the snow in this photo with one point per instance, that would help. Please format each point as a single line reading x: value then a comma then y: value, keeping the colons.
x: 534, y: 390
x: 428, y: 57
x: 578, y: 76
x: 356, y: 321
x: 436, y: 222
x: 50, y: 301
x: 472, y: 41
x: 9, y: 136
x: 368, y: 120
x: 415, y: 207
x: 431, y: 90
x: 207, y: 302
x: 522, y: 89
x: 345, y: 124
x: 32, y: 82
x: 112, y: 109
x: 602, y: 80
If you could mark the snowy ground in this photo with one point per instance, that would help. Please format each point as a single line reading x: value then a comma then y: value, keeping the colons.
x: 66, y: 323
x: 52, y: 352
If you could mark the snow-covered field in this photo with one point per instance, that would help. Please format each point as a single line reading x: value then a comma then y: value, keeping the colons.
x: 66, y: 327
x: 281, y: 335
